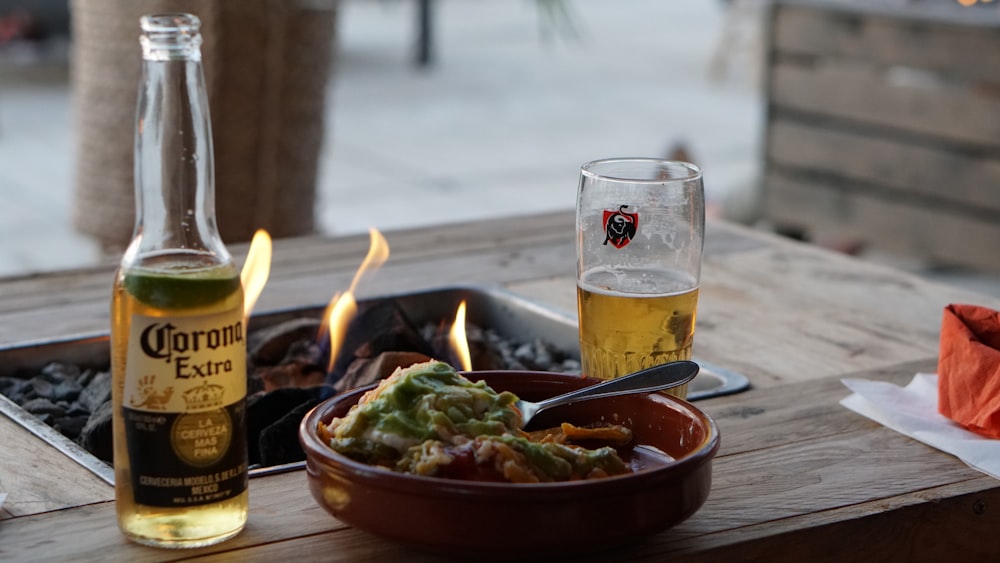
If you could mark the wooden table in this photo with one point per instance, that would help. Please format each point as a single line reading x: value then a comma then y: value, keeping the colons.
x: 798, y: 477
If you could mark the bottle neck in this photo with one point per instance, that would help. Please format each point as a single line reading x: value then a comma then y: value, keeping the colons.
x: 174, y: 169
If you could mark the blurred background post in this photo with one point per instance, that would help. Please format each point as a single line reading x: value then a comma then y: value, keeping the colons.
x: 267, y: 63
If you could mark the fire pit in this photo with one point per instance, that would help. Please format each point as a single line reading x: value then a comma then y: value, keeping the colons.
x: 62, y: 385
x: 290, y: 370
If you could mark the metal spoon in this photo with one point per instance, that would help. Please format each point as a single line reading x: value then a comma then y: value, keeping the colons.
x: 656, y: 378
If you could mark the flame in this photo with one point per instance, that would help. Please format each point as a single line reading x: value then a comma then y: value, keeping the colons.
x: 343, y: 307
x: 337, y: 317
x: 457, y: 339
x: 256, y: 270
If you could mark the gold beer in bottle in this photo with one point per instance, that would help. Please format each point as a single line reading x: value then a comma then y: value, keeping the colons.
x: 178, y: 352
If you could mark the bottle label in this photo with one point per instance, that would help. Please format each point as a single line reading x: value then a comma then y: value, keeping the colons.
x: 184, y: 407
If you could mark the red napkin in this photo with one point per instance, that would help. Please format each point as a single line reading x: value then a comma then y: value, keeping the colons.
x: 969, y: 368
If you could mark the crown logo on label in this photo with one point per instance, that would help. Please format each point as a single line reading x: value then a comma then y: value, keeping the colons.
x: 206, y: 396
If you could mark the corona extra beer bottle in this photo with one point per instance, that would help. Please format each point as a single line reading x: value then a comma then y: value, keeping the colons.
x: 177, y: 338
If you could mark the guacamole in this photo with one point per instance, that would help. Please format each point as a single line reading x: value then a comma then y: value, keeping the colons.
x: 429, y: 420
x: 427, y: 401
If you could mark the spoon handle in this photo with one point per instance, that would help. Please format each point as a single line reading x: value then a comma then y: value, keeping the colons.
x: 656, y: 378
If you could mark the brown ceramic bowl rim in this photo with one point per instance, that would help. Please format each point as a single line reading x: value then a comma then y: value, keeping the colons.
x: 436, y: 486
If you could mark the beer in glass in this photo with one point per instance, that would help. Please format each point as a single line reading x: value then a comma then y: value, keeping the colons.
x: 640, y: 229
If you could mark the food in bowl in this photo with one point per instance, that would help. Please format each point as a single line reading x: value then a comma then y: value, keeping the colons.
x: 673, y: 444
x: 429, y: 420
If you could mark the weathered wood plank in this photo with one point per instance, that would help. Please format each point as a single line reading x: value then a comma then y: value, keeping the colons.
x: 969, y: 52
x: 869, y: 95
x: 312, y: 255
x: 39, y: 478
x: 89, y: 314
x: 349, y: 545
x: 937, y: 233
x: 782, y: 409
x: 983, y: 15
x: 901, y: 165
x: 813, y: 476
x: 279, y: 509
x: 861, y: 314
x: 907, y: 527
x: 310, y: 271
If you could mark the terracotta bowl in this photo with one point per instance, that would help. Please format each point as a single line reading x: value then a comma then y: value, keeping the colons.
x: 465, y: 518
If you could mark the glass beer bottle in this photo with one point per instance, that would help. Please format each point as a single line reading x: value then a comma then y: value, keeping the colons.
x: 178, y: 349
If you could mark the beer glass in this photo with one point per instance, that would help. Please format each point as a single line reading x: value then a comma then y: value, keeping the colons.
x: 640, y: 225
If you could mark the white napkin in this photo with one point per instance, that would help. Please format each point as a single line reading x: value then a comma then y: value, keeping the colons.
x: 3, y: 497
x: 912, y: 410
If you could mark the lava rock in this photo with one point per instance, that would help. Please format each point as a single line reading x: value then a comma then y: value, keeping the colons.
x: 364, y: 371
x: 87, y: 376
x: 266, y: 409
x: 279, y: 442
x: 95, y: 436
x: 70, y: 426
x: 13, y: 388
x: 379, y: 327
x: 97, y: 391
x: 267, y: 346
x: 292, y: 374
x: 41, y: 406
x: 61, y: 371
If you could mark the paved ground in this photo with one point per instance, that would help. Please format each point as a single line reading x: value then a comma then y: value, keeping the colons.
x: 497, y: 126
x: 504, y: 120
